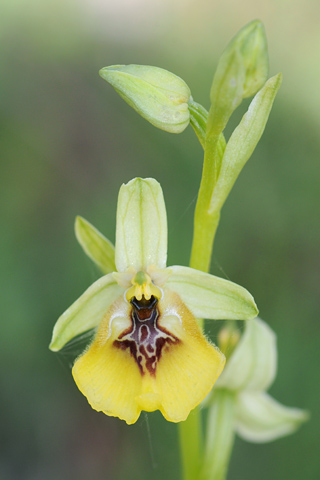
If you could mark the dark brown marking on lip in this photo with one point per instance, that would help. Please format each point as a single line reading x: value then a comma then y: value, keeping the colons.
x: 144, y: 332
x: 149, y: 348
x: 145, y: 338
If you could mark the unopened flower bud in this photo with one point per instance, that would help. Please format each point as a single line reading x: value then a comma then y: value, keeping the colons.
x: 254, y: 52
x: 241, y: 72
x: 157, y: 95
x: 228, y: 339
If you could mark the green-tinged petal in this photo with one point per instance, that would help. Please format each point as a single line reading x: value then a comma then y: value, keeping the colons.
x: 141, y: 235
x: 260, y: 418
x: 212, y: 297
x: 243, y: 141
x: 86, y: 312
x: 157, y: 95
x: 95, y: 245
x: 253, y: 364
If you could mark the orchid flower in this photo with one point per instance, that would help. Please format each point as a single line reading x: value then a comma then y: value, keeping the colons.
x: 149, y: 352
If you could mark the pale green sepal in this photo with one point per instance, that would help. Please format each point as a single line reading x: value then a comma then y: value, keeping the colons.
x: 244, y: 140
x: 220, y: 436
x: 253, y: 364
x: 95, y: 245
x: 141, y: 233
x: 157, y: 95
x: 211, y: 297
x: 86, y: 312
x: 260, y: 418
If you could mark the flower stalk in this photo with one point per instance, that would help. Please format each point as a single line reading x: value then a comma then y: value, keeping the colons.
x: 149, y: 351
x: 241, y: 72
x: 191, y: 445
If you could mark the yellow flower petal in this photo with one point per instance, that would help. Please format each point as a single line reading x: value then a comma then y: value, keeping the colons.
x: 186, y: 373
x: 108, y: 376
x: 149, y: 358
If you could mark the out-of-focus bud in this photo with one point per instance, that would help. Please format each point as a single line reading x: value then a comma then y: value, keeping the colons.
x: 157, y: 95
x: 253, y: 364
x: 228, y: 339
x: 239, y: 403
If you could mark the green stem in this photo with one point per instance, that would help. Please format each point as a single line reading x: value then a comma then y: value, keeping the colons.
x: 206, y: 219
x: 220, y: 437
x: 191, y: 445
x: 205, y: 226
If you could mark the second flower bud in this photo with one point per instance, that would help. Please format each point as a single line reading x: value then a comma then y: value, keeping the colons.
x: 157, y: 95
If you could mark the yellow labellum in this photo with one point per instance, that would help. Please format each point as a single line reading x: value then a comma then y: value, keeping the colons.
x: 148, y: 355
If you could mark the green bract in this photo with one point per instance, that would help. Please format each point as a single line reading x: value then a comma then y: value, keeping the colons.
x: 141, y: 246
x: 157, y: 95
x: 244, y: 140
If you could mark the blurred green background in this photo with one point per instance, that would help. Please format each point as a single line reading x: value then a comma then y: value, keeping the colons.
x: 68, y: 142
